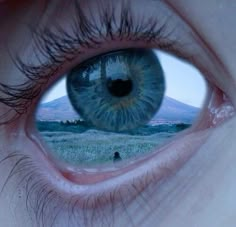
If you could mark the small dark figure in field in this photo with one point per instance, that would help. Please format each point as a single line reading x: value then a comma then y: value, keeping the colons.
x: 116, y: 157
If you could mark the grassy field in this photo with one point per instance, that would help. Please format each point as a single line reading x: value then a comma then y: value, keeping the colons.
x: 84, y: 146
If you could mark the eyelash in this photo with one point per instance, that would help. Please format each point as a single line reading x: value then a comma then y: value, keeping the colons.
x: 60, y: 47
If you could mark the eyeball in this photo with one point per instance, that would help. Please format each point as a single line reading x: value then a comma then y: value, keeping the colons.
x: 118, y: 107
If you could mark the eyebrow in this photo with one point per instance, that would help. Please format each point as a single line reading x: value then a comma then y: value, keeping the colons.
x: 59, y: 47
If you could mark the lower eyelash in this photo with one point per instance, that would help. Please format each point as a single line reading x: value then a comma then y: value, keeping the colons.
x: 45, y: 206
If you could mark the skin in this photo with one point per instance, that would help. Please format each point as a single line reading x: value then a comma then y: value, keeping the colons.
x: 197, y: 190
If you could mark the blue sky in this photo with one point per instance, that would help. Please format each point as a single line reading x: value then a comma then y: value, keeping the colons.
x: 183, y: 82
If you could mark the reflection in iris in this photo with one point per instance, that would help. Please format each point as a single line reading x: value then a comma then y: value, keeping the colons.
x: 76, y: 141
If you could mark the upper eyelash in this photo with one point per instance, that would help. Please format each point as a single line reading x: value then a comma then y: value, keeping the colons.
x: 59, y: 47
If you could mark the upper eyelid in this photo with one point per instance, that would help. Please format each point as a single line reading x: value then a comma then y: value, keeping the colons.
x: 55, y: 46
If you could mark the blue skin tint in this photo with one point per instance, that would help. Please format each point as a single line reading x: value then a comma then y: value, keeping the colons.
x: 174, y: 191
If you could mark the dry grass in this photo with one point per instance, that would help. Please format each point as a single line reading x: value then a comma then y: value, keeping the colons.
x: 97, y: 147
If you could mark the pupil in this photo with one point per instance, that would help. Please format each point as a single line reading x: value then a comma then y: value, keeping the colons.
x: 119, y: 87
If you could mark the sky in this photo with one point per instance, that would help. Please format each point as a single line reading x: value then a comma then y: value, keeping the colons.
x: 183, y: 82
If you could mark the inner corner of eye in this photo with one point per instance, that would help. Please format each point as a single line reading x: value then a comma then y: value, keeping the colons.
x: 119, y: 106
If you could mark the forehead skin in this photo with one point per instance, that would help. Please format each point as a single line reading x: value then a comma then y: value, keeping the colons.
x: 206, y: 196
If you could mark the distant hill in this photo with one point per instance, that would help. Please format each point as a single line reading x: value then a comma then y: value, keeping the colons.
x: 171, y: 111
x: 175, y: 111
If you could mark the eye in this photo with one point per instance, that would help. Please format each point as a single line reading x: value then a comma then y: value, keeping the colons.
x: 81, y: 170
x: 119, y: 107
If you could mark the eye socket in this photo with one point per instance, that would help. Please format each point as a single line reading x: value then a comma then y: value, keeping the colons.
x: 76, y: 139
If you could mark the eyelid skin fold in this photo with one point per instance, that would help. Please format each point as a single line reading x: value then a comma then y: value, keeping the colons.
x: 210, y: 46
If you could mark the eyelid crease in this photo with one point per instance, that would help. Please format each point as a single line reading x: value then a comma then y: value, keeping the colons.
x: 59, y: 47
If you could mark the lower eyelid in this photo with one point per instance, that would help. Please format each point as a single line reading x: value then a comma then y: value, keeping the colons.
x: 152, y: 169
x: 156, y: 168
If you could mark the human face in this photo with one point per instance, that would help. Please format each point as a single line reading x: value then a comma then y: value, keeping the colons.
x: 196, y: 190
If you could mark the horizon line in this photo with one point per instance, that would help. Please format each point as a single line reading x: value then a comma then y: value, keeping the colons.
x: 46, y: 102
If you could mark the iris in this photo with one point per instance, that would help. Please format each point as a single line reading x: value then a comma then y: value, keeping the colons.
x: 117, y: 91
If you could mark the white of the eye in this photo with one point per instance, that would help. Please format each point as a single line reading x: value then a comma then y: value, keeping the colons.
x: 183, y: 81
x: 57, y: 91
